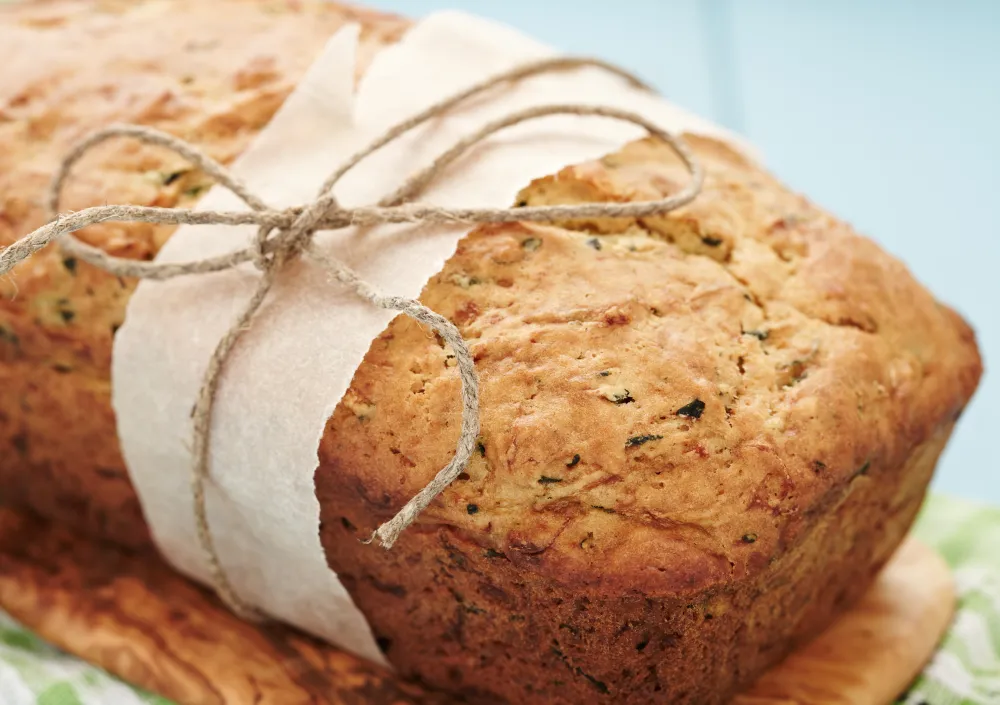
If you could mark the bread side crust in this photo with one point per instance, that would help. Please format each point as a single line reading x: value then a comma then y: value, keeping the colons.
x: 470, y: 619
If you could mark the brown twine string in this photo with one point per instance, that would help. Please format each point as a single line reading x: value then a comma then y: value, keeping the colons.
x: 284, y: 234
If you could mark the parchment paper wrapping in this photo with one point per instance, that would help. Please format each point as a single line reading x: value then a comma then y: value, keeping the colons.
x: 290, y: 370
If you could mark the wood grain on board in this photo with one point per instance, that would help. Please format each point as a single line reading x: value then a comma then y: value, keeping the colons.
x: 129, y: 613
x: 875, y: 650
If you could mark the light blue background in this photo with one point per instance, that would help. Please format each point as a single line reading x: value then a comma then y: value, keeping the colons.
x: 886, y: 112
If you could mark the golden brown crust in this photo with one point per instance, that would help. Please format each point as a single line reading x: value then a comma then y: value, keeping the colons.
x: 210, y: 72
x: 475, y: 621
x: 682, y: 402
x: 731, y: 411
x: 702, y: 435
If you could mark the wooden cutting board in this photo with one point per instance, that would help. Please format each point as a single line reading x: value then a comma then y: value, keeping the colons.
x: 131, y: 614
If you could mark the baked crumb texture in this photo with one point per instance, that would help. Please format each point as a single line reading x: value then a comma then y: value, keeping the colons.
x: 702, y: 433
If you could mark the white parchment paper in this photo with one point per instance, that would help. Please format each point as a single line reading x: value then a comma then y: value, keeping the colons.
x: 291, y: 369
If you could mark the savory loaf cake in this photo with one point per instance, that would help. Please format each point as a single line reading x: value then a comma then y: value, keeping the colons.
x: 212, y: 73
x: 702, y: 433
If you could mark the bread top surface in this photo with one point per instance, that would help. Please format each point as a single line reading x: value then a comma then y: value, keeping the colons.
x: 212, y: 73
x: 666, y: 403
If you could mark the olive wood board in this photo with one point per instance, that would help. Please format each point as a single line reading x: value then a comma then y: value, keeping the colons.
x: 131, y: 614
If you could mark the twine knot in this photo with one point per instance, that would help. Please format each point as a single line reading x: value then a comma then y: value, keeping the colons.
x: 286, y: 234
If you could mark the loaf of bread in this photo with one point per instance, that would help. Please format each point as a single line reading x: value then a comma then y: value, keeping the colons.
x: 212, y: 73
x: 702, y: 434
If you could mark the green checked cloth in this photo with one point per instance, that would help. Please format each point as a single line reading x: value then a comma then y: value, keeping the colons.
x: 965, y: 671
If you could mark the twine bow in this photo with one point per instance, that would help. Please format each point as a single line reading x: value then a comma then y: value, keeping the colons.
x: 286, y: 234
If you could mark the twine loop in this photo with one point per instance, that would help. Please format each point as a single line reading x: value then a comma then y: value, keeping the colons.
x: 287, y: 234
